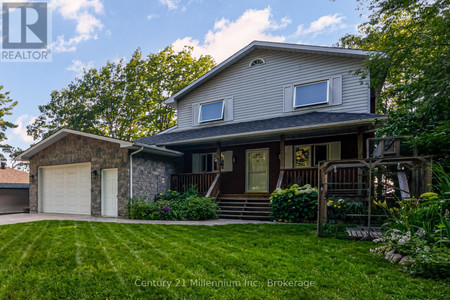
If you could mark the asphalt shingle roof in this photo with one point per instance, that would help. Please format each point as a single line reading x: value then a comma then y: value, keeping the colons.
x: 308, y: 119
x: 9, y: 175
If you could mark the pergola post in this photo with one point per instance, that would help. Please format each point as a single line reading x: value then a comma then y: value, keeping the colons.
x: 322, y: 205
x: 360, y: 142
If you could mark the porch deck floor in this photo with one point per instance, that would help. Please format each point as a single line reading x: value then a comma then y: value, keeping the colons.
x: 362, y: 232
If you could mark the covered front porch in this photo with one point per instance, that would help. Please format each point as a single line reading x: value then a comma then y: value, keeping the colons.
x: 251, y: 168
x: 241, y: 163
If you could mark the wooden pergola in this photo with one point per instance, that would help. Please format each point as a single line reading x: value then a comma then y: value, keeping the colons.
x: 332, y: 183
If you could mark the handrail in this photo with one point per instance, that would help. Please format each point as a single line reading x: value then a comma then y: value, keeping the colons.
x: 214, y: 189
x: 280, y: 179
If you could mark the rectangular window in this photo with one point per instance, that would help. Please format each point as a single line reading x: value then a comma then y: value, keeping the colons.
x: 311, y: 94
x: 206, y: 162
x: 211, y: 111
x: 320, y: 153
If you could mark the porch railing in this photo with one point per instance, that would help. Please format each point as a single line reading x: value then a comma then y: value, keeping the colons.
x: 181, y: 182
x: 298, y: 176
x: 339, y: 179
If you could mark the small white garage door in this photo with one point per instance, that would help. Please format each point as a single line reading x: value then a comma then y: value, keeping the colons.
x: 66, y: 189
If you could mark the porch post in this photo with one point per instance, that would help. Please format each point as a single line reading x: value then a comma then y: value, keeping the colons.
x: 282, y: 153
x: 360, y: 143
x: 219, y: 158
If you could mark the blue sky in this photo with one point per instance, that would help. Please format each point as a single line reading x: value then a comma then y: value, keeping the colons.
x: 87, y: 33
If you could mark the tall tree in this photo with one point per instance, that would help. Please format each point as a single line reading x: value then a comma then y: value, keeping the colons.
x: 122, y: 100
x: 12, y: 153
x: 6, y: 107
x: 411, y: 70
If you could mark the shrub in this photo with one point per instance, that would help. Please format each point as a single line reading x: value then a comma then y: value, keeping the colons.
x: 139, y: 209
x: 200, y: 208
x: 174, y: 206
x: 169, y: 196
x: 295, y: 204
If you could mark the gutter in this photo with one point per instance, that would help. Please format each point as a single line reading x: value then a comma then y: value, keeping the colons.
x: 131, y: 170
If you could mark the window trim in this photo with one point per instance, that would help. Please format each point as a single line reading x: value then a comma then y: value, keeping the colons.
x: 311, y: 83
x: 257, y: 58
x: 212, y: 120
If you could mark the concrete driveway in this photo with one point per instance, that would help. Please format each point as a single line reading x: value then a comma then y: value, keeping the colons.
x: 24, y: 218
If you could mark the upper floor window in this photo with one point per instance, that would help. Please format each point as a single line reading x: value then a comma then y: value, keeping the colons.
x: 311, y: 94
x: 257, y: 61
x: 212, y: 111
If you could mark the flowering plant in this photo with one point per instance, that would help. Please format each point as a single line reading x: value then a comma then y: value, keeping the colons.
x: 295, y: 204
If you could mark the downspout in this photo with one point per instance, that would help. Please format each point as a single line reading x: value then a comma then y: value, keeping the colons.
x: 131, y: 170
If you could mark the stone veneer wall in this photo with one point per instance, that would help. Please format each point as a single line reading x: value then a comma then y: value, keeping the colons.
x: 79, y: 149
x: 151, y: 174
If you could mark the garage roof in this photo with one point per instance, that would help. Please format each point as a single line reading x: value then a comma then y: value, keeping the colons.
x: 33, y: 150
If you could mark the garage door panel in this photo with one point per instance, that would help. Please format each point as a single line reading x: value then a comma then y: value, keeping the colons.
x: 66, y: 189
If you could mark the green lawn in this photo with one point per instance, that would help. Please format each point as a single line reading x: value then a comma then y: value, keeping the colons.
x: 65, y: 259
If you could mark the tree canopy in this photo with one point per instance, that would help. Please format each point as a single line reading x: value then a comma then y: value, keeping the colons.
x: 6, y: 106
x: 122, y: 100
x: 411, y: 70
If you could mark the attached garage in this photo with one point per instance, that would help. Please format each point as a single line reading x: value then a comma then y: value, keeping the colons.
x: 66, y: 189
x: 73, y: 172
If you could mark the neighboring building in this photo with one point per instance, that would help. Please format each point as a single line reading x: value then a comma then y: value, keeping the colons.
x: 271, y: 112
x: 13, y: 190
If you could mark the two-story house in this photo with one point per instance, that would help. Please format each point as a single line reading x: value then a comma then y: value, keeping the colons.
x: 264, y: 118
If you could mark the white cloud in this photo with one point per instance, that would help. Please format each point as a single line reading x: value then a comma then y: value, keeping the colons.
x: 325, y: 23
x: 171, y: 4
x: 152, y: 16
x: 84, y: 13
x: 228, y: 36
x: 20, y: 132
x: 78, y: 67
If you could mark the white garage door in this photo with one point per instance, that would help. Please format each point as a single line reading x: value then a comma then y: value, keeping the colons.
x: 66, y: 189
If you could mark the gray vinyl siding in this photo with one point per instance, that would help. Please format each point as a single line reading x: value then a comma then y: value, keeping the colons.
x: 258, y: 91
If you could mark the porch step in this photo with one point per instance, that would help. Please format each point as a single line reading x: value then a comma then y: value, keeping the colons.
x: 244, y: 206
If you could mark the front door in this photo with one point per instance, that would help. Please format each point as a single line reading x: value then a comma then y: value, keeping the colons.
x: 257, y: 170
x: 109, y: 193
